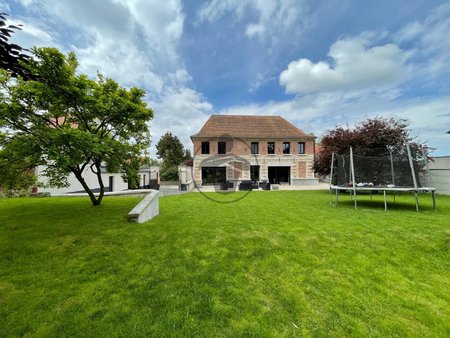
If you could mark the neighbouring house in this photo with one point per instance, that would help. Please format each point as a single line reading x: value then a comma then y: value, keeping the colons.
x: 148, y: 179
x: 439, y: 174
x: 235, y: 148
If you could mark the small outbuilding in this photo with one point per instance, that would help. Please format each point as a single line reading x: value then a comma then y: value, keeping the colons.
x: 439, y: 174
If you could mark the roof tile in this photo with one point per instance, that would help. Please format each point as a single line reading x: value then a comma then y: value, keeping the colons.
x: 249, y: 126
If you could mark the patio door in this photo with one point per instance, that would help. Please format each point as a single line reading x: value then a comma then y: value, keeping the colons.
x: 279, y: 175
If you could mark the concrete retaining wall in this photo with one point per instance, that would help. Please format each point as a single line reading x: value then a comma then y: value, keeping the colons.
x: 146, y: 209
x: 305, y: 181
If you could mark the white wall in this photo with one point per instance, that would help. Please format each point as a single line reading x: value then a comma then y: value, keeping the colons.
x: 91, y: 180
x: 439, y: 174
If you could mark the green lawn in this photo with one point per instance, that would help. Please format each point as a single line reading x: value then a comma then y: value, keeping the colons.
x: 278, y: 263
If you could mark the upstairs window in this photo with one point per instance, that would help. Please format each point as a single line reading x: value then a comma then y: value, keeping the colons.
x: 205, y: 147
x: 301, y: 147
x: 255, y: 148
x: 221, y: 148
x: 271, y: 148
x: 286, y: 147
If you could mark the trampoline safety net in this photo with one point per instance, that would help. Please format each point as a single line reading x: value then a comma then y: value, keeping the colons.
x: 386, y: 168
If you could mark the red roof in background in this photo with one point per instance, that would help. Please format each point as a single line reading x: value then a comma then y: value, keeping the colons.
x: 318, y: 148
x: 249, y: 126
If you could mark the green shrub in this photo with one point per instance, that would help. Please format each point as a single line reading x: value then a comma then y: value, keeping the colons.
x: 169, y: 174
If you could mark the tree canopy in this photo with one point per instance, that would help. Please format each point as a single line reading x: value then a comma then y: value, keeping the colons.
x: 72, y: 123
x: 12, y: 56
x: 172, y: 152
x: 367, y: 137
x: 16, y: 172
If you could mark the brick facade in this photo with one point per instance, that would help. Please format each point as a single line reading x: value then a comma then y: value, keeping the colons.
x: 238, y: 159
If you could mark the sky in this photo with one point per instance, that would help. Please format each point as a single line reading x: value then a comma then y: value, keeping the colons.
x: 316, y: 63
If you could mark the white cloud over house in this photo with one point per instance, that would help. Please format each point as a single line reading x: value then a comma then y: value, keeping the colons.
x: 354, y: 64
x: 179, y: 110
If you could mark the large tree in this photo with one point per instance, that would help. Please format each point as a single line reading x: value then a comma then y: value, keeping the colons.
x: 72, y: 123
x: 368, y: 137
x: 171, y: 151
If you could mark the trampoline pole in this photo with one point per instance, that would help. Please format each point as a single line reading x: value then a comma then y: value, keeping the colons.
x: 413, y: 174
x: 427, y: 175
x: 433, y: 195
x: 331, y: 174
x: 392, y: 167
x: 336, y: 201
x: 353, y: 175
x: 385, y: 203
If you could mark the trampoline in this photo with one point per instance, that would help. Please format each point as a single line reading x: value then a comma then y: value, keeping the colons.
x: 374, y: 170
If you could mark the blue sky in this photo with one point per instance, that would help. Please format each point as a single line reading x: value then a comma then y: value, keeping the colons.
x: 316, y: 63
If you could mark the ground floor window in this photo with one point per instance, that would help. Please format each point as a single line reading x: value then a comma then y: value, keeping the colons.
x: 254, y: 172
x: 214, y: 175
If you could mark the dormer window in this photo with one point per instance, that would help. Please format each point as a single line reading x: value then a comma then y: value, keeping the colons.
x: 255, y: 148
x: 286, y: 147
x: 205, y: 147
x: 301, y: 147
x: 271, y: 148
x: 221, y: 148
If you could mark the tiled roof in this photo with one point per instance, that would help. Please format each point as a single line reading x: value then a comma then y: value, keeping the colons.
x: 248, y: 126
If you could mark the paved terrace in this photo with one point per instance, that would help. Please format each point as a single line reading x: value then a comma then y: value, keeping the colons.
x: 320, y: 186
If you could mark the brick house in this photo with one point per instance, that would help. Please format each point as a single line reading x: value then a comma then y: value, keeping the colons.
x: 235, y: 148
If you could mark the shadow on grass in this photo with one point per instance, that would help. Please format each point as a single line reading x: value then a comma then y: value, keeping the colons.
x: 391, y: 205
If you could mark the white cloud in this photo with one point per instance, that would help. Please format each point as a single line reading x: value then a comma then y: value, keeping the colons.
x: 409, y: 32
x: 355, y: 64
x: 182, y: 76
x: 28, y: 3
x: 135, y: 43
x: 215, y: 9
x: 428, y: 117
x: 273, y: 16
x: 430, y: 42
x: 31, y: 34
x: 127, y: 65
x: 255, y: 29
x: 162, y: 23
x: 4, y: 7
x: 132, y: 41
x: 182, y: 111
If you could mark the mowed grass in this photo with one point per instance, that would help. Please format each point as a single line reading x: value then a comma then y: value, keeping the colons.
x: 277, y: 263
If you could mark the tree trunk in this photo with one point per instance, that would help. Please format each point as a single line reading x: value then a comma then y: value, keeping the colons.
x: 100, y: 182
x: 80, y: 179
